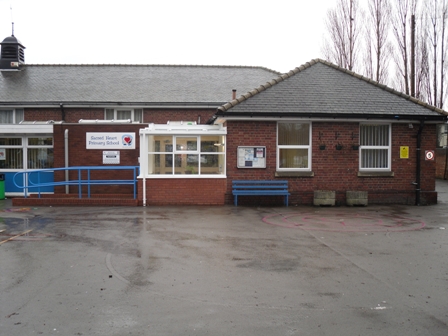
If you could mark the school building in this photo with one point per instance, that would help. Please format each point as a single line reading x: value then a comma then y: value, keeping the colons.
x: 192, y: 130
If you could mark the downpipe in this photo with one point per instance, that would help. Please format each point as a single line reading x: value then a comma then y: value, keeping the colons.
x: 143, y: 162
x: 66, y: 159
x: 417, y: 182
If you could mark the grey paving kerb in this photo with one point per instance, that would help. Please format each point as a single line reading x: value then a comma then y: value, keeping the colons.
x: 376, y: 270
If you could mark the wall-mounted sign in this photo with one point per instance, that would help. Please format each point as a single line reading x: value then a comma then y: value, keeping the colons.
x: 106, y: 140
x: 251, y: 157
x: 429, y: 155
x: 404, y: 152
x: 111, y: 157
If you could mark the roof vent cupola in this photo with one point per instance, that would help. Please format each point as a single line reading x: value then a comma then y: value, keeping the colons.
x: 12, y: 55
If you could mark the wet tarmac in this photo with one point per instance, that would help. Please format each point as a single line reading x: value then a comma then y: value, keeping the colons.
x: 375, y: 270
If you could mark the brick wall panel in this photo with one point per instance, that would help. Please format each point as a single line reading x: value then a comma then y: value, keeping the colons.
x: 337, y: 169
x: 162, y: 116
x: 80, y: 156
x: 185, y: 191
x: 156, y: 116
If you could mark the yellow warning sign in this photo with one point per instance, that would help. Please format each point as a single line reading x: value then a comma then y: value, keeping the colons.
x: 404, y: 152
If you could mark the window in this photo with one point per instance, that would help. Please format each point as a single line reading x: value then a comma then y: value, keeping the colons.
x: 186, y: 155
x: 442, y: 131
x: 136, y: 115
x: 11, y: 153
x: 40, y: 153
x: 293, y: 146
x: 35, y: 152
x: 13, y: 116
x: 375, y: 147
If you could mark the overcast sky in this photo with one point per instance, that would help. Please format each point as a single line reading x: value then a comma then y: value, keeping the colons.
x: 279, y: 35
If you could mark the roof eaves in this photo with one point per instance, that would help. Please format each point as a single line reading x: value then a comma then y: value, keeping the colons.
x: 101, y: 104
x: 343, y: 116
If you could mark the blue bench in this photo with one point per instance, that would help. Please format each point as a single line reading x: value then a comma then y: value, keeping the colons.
x: 260, y: 188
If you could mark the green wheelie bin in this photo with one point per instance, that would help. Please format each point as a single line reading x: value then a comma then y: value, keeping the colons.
x: 2, y: 186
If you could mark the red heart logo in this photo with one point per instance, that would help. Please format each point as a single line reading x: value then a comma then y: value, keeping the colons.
x: 127, y: 139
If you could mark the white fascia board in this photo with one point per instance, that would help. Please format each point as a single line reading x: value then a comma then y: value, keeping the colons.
x: 182, y: 176
x: 184, y: 129
x: 23, y: 129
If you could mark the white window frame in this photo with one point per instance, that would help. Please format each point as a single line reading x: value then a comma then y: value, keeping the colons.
x: 39, y: 146
x: 442, y: 136
x: 308, y: 147
x: 116, y: 110
x: 388, y: 148
x: 15, y: 118
x: 24, y: 147
x: 175, y: 131
x: 19, y: 147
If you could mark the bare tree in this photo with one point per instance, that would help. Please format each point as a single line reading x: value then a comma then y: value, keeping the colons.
x: 422, y: 65
x: 435, y: 36
x: 419, y: 50
x: 343, y: 24
x: 432, y: 7
x: 444, y: 54
x: 378, y: 48
x: 404, y: 10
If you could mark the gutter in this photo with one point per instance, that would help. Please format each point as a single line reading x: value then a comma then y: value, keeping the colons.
x: 329, y: 116
x: 103, y: 104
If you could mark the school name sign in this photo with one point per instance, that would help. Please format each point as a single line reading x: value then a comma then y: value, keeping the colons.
x: 110, y: 140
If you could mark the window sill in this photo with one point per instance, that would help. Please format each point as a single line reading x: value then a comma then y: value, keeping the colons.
x: 375, y: 174
x: 184, y: 176
x: 295, y: 174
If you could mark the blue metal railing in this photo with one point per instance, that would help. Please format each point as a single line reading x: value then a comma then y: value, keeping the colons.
x: 32, y: 179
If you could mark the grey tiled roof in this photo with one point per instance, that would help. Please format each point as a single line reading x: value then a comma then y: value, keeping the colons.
x: 136, y: 84
x: 322, y: 89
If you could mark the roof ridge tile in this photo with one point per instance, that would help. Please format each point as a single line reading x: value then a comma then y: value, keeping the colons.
x: 153, y: 65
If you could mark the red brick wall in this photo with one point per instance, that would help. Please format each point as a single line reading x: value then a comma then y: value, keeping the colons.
x: 156, y: 116
x: 184, y: 191
x: 72, y: 115
x: 336, y: 169
x: 80, y: 156
x: 333, y: 169
x: 181, y: 191
x: 441, y: 163
x: 162, y: 116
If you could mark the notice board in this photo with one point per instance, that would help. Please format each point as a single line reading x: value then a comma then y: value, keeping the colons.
x: 251, y: 157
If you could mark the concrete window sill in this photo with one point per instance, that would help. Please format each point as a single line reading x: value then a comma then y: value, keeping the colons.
x: 294, y: 174
x: 375, y: 174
